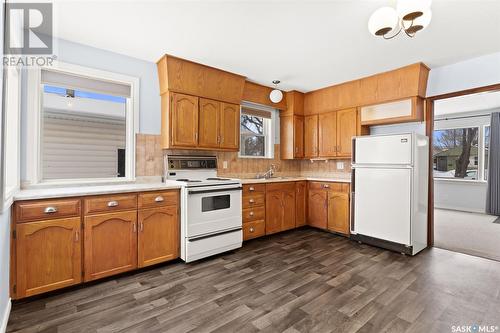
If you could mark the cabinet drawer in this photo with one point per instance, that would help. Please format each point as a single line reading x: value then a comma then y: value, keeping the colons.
x: 158, y: 199
x: 288, y: 186
x: 254, y: 213
x: 253, y: 200
x: 325, y: 186
x: 109, y: 203
x: 47, y: 209
x: 254, y: 229
x: 252, y: 188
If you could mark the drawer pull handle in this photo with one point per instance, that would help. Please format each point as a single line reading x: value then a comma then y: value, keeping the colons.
x: 251, y: 188
x: 251, y: 201
x: 50, y: 210
x: 326, y: 186
x: 141, y: 227
x: 112, y: 203
x: 77, y: 236
x: 251, y: 214
x: 159, y: 199
x: 252, y: 229
x: 134, y: 227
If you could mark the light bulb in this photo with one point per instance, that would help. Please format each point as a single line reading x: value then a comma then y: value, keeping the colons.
x: 276, y: 96
x: 383, y: 21
x: 409, y: 10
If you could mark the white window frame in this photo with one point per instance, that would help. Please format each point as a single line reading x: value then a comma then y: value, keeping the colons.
x: 7, y: 165
x: 466, y: 122
x: 269, y: 131
x: 34, y: 109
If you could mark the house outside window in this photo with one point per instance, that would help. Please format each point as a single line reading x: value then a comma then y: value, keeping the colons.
x: 256, y: 133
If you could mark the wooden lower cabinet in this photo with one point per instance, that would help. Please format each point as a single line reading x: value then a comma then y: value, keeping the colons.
x: 280, y: 207
x: 254, y: 229
x: 338, y: 212
x: 48, y: 256
x: 317, y: 208
x: 300, y: 203
x: 158, y: 236
x: 110, y: 244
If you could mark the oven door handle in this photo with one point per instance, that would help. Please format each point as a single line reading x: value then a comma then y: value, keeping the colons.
x: 216, y: 190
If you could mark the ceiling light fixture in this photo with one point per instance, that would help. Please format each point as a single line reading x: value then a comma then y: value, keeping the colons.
x: 276, y: 95
x: 410, y: 16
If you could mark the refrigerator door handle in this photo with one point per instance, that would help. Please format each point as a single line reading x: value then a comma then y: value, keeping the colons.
x: 353, y: 199
x: 353, y: 151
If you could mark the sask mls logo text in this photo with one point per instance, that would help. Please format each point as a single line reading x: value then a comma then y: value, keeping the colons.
x: 28, y: 33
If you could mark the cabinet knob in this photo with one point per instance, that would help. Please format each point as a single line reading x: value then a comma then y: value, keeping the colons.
x: 251, y: 188
x: 326, y: 185
x: 251, y: 201
x: 77, y: 236
x: 251, y: 229
x: 113, y: 203
x: 159, y: 199
x: 50, y: 210
x: 251, y: 214
x: 134, y: 227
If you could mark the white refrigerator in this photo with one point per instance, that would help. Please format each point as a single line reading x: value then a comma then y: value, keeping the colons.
x: 390, y: 184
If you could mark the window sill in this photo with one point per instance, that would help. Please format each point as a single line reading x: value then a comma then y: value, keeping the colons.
x: 257, y: 157
x: 81, y: 182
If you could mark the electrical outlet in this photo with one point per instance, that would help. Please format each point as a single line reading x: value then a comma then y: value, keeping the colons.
x: 340, y: 165
x: 224, y: 164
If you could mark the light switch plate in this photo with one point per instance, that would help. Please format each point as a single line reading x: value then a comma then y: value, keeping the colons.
x: 340, y: 165
x: 224, y: 164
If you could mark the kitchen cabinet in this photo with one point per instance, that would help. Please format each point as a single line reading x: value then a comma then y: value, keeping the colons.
x: 158, y: 235
x: 347, y: 121
x: 300, y: 203
x: 254, y: 211
x: 328, y: 206
x: 230, y: 126
x: 292, y: 137
x: 184, y: 121
x: 209, y: 123
x: 338, y: 212
x: 280, y: 207
x: 327, y: 134
x: 48, y: 255
x: 110, y: 242
x: 311, y: 136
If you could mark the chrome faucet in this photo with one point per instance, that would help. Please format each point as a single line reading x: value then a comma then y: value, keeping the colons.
x: 269, y: 173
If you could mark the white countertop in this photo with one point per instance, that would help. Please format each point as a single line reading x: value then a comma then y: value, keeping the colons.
x: 76, y: 191
x: 294, y: 179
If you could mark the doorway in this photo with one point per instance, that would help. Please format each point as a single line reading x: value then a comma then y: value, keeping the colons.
x: 460, y: 169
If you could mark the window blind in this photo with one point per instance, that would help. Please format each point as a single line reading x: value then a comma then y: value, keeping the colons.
x: 257, y: 110
x: 76, y: 82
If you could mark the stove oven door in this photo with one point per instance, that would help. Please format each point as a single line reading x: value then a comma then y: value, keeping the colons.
x: 213, y: 210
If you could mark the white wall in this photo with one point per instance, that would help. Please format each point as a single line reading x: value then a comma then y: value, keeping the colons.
x: 4, y: 265
x: 472, y: 73
x: 468, y: 197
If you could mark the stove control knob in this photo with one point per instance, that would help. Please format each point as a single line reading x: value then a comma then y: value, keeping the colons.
x: 203, y: 164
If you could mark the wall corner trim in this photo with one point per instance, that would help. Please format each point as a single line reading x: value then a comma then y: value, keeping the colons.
x: 5, y: 317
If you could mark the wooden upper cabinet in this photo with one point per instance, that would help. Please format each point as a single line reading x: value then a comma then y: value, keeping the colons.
x: 184, y: 120
x: 110, y: 244
x: 327, y: 134
x: 287, y: 137
x: 230, y: 126
x: 311, y: 136
x: 48, y: 255
x: 317, y: 208
x: 209, y: 123
x: 338, y: 212
x: 158, y: 235
x: 298, y: 136
x: 347, y: 123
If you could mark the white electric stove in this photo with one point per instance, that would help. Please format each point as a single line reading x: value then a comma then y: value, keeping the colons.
x: 211, y: 215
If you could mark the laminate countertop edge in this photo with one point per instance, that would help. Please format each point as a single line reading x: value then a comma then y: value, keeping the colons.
x: 294, y: 179
x: 79, y: 191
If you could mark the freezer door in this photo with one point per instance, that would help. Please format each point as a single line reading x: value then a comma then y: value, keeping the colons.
x: 382, y: 205
x: 383, y: 149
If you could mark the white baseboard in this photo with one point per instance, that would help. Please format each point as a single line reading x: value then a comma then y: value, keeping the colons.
x: 5, y: 317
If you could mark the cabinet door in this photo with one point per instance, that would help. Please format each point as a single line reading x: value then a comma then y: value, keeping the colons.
x: 48, y: 255
x: 300, y: 204
x: 209, y: 123
x: 317, y: 208
x: 288, y: 221
x: 327, y: 134
x: 230, y: 126
x: 158, y: 237
x: 184, y: 120
x: 298, y: 136
x: 338, y: 212
x: 287, y: 138
x: 274, y: 211
x: 346, y: 129
x: 110, y: 244
x: 311, y: 136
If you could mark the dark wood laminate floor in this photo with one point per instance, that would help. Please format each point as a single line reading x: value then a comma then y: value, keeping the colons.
x: 299, y: 281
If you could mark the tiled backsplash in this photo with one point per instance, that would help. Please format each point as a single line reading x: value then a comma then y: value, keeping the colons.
x: 149, y: 162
